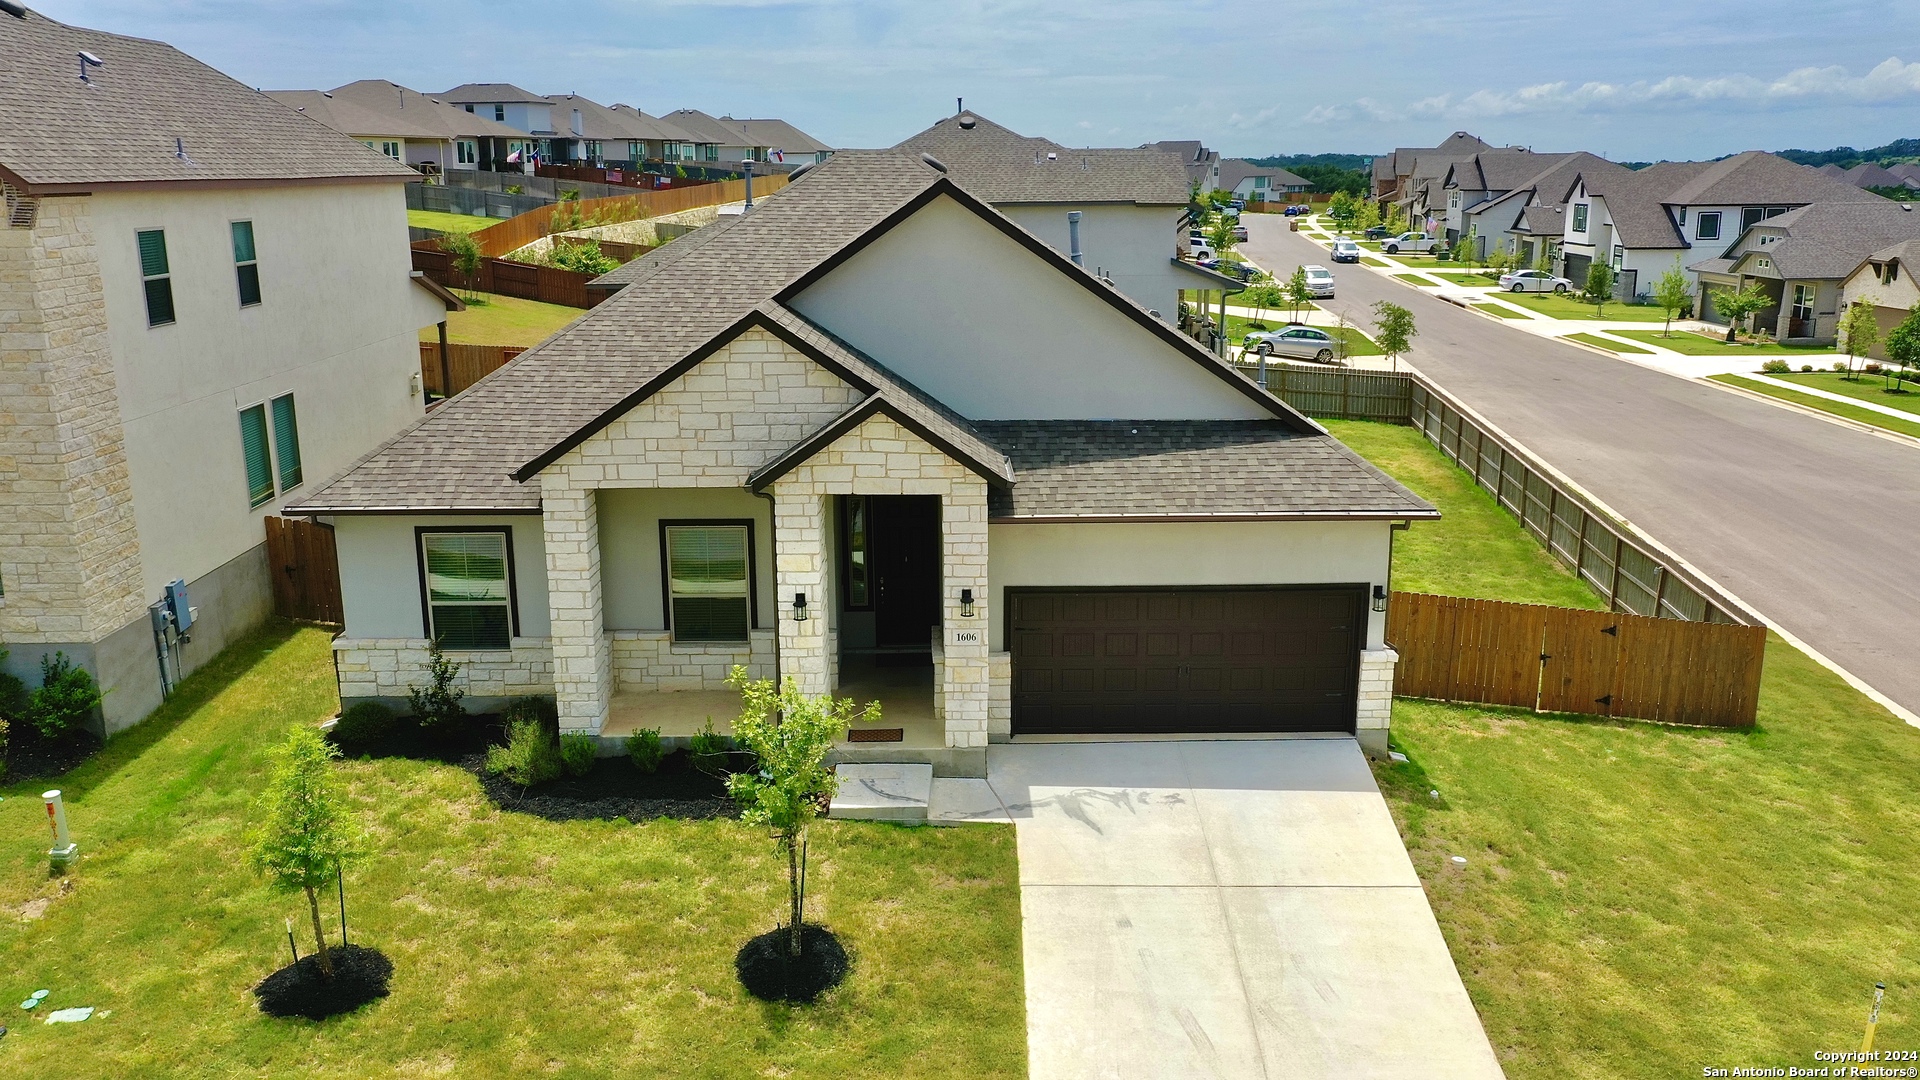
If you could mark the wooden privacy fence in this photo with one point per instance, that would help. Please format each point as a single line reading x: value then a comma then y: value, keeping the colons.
x: 305, y: 569
x: 524, y: 280
x: 1336, y: 394
x: 1566, y: 660
x: 466, y: 365
x: 519, y: 231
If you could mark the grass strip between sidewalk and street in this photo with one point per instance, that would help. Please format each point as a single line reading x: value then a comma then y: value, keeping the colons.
x: 1568, y: 307
x: 1599, y: 342
x: 1877, y: 389
x: 1836, y: 408
x: 1693, y: 344
x: 1641, y: 900
x: 1499, y: 311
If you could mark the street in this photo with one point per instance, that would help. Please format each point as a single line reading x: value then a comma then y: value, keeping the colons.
x: 1809, y: 522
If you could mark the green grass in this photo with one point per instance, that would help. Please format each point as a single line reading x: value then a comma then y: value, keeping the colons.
x: 1468, y: 277
x: 1692, y: 344
x: 1639, y: 900
x: 1358, y: 344
x: 520, y: 946
x: 1568, y: 307
x: 1872, y: 388
x: 443, y: 222
x: 1851, y: 412
x: 1499, y: 312
x: 1366, y: 260
x: 1411, y: 278
x: 503, y: 320
x: 1599, y: 342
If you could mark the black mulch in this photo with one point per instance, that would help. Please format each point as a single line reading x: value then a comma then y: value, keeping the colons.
x: 616, y: 788
x: 30, y: 757
x: 448, y: 744
x: 771, y: 973
x: 359, y: 975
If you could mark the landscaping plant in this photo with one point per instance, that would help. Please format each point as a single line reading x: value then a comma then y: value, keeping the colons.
x: 1599, y: 287
x: 1366, y: 214
x: 530, y: 757
x: 578, y: 750
x: 708, y: 749
x: 1740, y: 306
x: 65, y: 698
x: 1671, y: 292
x: 538, y: 710
x: 646, y: 750
x: 1903, y: 346
x: 464, y: 255
x: 307, y: 836
x: 1859, y: 330
x: 1393, y: 330
x: 363, y: 726
x: 1342, y: 208
x: 1299, y: 294
x: 1219, y: 233
x: 437, y: 705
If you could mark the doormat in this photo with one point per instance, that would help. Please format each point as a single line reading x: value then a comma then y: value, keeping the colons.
x: 883, y: 734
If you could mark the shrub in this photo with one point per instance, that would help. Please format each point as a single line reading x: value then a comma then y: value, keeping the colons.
x: 1806, y: 367
x: 708, y: 749
x: 66, y: 697
x: 1840, y: 368
x: 530, y: 756
x: 534, y: 710
x: 584, y: 257
x: 13, y: 695
x: 363, y: 726
x: 437, y: 705
x: 1776, y: 367
x: 644, y: 748
x: 578, y: 749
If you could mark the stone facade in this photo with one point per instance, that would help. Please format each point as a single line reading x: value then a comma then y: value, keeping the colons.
x: 652, y: 660
x: 999, y: 696
x: 384, y: 668
x: 1375, y: 710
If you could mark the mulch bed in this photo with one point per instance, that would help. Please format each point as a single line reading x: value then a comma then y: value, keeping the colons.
x: 449, y: 745
x: 616, y: 788
x: 30, y: 757
x: 771, y: 973
x: 359, y: 975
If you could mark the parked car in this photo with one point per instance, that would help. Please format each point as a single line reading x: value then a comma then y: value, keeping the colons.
x: 1303, y: 208
x: 1231, y: 269
x: 1534, y: 281
x: 1240, y: 233
x: 1376, y: 232
x: 1238, y: 204
x: 1319, y: 282
x: 1345, y: 250
x: 1198, y: 248
x: 1409, y: 241
x: 1296, y: 340
x: 1231, y: 213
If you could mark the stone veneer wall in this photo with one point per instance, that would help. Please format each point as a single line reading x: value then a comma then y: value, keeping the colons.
x: 385, y: 667
x: 999, y: 696
x: 1375, y: 711
x: 650, y: 660
x: 69, y: 553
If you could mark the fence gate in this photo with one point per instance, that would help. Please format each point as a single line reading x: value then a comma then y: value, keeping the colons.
x: 1578, y: 657
x: 305, y: 569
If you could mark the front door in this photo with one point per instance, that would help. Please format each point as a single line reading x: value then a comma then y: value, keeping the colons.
x: 905, y: 555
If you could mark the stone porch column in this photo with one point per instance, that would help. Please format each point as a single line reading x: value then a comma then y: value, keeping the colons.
x: 1375, y: 713
x: 963, y: 673
x: 800, y: 567
x: 582, y: 659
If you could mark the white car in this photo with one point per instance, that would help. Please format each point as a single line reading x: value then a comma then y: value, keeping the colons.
x: 1408, y: 241
x: 1296, y: 340
x: 1319, y: 282
x: 1345, y: 250
x: 1534, y: 281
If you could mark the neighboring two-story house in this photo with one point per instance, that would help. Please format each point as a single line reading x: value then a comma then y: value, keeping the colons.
x: 1885, y: 280
x: 1802, y: 259
x: 1475, y: 185
x: 207, y: 309
x: 1393, y: 173
x: 1202, y: 164
x: 458, y: 138
x: 1260, y: 183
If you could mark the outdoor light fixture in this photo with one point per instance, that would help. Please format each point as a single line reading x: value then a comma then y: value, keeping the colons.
x: 966, y: 603
x: 799, y: 607
x: 1379, y: 598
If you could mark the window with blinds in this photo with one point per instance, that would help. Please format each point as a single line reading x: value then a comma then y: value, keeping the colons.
x: 286, y: 442
x: 245, y: 266
x: 469, y: 603
x: 708, y: 582
x: 155, y: 276
x: 253, y: 446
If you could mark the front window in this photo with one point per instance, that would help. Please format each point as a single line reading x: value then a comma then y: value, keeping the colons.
x: 468, y: 589
x: 635, y: 151
x: 1579, y: 217
x: 593, y: 149
x: 1708, y: 227
x: 466, y: 152
x: 245, y: 266
x: 709, y: 581
x: 500, y: 113
x: 156, y: 276
x: 854, y: 532
x: 713, y: 153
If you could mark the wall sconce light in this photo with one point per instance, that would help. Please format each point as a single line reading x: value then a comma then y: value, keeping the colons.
x: 966, y: 603
x: 799, y: 607
x: 1379, y: 598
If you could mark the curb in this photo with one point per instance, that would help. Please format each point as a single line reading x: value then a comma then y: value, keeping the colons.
x: 1818, y: 414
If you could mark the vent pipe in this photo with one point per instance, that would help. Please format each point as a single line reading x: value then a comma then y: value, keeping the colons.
x: 18, y: 11
x: 1073, y: 237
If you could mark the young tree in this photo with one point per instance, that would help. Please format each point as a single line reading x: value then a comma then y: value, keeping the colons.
x: 1903, y: 345
x: 790, y: 734
x: 1393, y: 330
x: 1599, y: 287
x: 1220, y: 234
x: 463, y: 252
x: 1366, y: 214
x: 1396, y: 219
x: 1671, y: 292
x: 1859, y: 330
x: 1738, y: 307
x: 308, y: 836
x: 1299, y: 294
x: 1341, y: 208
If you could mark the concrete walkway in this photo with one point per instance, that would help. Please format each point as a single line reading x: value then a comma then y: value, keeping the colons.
x: 1232, y: 909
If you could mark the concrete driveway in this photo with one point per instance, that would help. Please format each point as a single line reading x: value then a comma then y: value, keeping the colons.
x: 1226, y: 909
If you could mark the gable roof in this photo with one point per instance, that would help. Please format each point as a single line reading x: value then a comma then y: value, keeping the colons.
x: 447, y: 122
x: 650, y: 127
x: 59, y: 134
x: 1005, y: 167
x: 1639, y: 201
x: 597, y: 121
x: 1870, y: 174
x: 1830, y: 240
x: 1234, y: 170
x: 489, y: 93
x: 678, y: 306
x: 1543, y: 210
x: 778, y: 135
x: 350, y: 119
x: 708, y: 129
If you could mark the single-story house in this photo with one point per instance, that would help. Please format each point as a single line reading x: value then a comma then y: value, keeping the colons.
x: 1886, y: 280
x: 877, y: 438
x: 1801, y: 259
x: 1260, y: 183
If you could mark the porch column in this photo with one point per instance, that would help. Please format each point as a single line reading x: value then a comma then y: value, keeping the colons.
x: 582, y: 663
x: 800, y: 568
x: 963, y: 559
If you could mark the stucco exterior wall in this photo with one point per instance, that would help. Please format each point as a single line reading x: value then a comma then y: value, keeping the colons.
x: 1133, y: 245
x: 964, y: 312
x: 630, y: 557
x: 380, y: 570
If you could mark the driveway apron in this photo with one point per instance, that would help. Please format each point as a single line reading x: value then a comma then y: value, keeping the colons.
x: 1226, y: 909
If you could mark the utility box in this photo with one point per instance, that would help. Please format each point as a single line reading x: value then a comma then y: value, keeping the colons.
x: 177, y: 604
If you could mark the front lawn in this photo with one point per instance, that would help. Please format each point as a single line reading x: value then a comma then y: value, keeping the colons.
x: 493, y: 319
x: 1358, y: 344
x: 1467, y: 277
x: 1499, y: 311
x: 1599, y: 342
x: 1642, y: 901
x: 1368, y: 260
x: 448, y: 223
x: 1837, y: 408
x: 520, y: 946
x: 1872, y: 388
x: 1692, y: 344
x: 1569, y: 307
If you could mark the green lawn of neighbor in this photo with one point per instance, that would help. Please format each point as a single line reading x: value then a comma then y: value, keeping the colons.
x: 1466, y: 277
x: 1569, y: 307
x: 493, y: 319
x: 1641, y: 901
x: 520, y: 946
x: 1367, y: 260
x: 1599, y: 342
x: 1851, y: 412
x: 1874, y: 388
x: 1358, y: 344
x: 1692, y: 344
x: 443, y: 222
x: 1411, y: 277
x: 1498, y: 311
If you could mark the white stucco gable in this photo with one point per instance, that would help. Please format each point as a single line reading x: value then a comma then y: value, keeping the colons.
x: 972, y: 316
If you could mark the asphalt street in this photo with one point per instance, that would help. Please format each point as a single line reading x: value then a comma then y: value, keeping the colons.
x: 1812, y: 524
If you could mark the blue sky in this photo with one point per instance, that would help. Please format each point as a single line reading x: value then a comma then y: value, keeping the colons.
x: 1628, y: 78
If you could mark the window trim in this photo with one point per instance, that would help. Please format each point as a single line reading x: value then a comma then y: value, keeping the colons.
x: 1580, y: 217
x: 276, y: 439
x: 846, y: 554
x: 666, y: 574
x: 466, y: 152
x: 140, y: 261
x: 1700, y: 225
x: 420, y: 533
x: 253, y: 241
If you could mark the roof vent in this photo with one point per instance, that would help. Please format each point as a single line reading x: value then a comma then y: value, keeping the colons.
x: 1051, y: 156
x: 801, y: 171
x: 21, y: 210
x: 88, y: 60
x: 933, y: 163
x: 13, y: 9
x: 967, y: 121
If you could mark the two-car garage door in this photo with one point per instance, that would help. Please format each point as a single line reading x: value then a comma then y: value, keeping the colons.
x: 1192, y: 660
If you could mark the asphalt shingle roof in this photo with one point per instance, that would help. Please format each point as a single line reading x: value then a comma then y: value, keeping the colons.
x: 1829, y: 240
x: 121, y: 125
x: 652, y: 127
x: 489, y: 93
x: 447, y: 121
x: 1638, y: 200
x: 350, y: 119
x: 1003, y: 166
x: 708, y: 129
x: 1187, y: 468
x: 1234, y: 170
x: 778, y: 135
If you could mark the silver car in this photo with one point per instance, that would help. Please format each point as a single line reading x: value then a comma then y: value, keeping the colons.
x: 1295, y: 340
x: 1319, y: 282
x: 1534, y: 281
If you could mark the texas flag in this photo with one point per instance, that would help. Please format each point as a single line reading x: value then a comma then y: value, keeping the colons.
x: 779, y: 155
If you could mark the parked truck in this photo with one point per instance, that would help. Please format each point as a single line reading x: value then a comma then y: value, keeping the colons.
x: 1410, y: 241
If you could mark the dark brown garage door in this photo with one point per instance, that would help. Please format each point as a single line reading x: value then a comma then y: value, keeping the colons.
x: 1193, y: 660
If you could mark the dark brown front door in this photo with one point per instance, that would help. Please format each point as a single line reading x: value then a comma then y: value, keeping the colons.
x: 1185, y: 660
x: 905, y: 554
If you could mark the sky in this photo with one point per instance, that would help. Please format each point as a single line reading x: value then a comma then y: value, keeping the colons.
x: 1629, y: 79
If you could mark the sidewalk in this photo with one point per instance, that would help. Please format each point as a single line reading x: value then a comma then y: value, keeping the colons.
x: 1828, y: 395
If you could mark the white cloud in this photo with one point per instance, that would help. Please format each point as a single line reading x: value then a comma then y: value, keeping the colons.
x: 1890, y: 81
